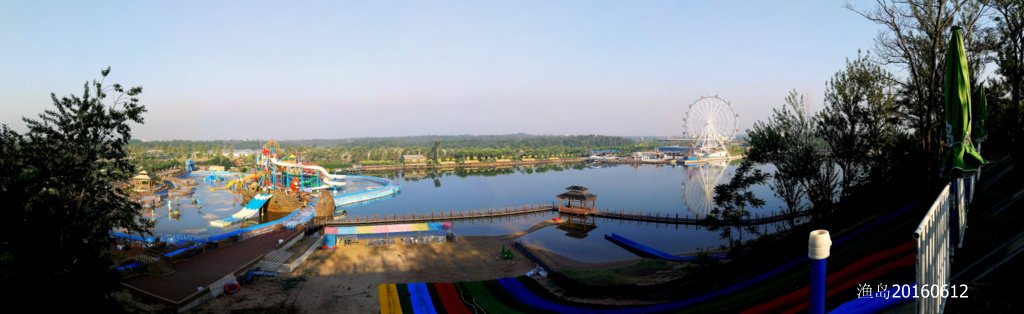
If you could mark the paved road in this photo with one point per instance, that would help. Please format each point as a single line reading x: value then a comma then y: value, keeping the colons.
x: 208, y: 267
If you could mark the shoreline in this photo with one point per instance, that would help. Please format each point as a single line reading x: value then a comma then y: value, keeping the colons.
x: 466, y: 165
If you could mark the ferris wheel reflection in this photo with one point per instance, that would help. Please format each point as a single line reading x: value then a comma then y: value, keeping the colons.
x: 699, y: 186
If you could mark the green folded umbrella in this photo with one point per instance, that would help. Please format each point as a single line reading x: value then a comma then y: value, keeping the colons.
x: 960, y: 156
x: 979, y: 113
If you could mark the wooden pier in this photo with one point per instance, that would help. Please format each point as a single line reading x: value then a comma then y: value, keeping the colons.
x: 433, y: 216
x: 641, y: 216
x: 675, y: 219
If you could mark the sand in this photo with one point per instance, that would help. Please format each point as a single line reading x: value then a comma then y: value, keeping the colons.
x: 345, y: 280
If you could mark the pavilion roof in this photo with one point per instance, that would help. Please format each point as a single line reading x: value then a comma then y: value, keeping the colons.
x: 579, y: 188
x: 142, y: 176
x: 577, y: 195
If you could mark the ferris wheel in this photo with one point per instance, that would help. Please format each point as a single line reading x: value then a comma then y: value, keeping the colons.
x: 709, y: 123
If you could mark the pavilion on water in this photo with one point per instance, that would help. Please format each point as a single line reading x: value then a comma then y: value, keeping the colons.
x: 576, y: 207
x: 576, y: 200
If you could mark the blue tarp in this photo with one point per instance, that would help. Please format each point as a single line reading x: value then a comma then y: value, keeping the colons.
x: 129, y: 266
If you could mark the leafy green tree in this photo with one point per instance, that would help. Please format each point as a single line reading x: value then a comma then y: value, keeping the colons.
x: 734, y: 199
x: 913, y: 39
x: 58, y: 184
x: 858, y: 122
x: 1006, y: 96
x: 435, y: 150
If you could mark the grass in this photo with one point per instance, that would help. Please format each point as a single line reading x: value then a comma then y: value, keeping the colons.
x: 622, y: 275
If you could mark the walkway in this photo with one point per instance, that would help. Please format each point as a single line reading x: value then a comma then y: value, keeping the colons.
x: 654, y: 217
x: 208, y: 267
x: 434, y: 216
x: 990, y: 262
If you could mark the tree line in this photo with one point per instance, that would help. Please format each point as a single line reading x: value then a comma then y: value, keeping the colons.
x: 882, y: 131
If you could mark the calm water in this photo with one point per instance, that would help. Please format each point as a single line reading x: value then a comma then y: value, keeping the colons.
x: 682, y: 190
x: 664, y: 189
x: 193, y: 219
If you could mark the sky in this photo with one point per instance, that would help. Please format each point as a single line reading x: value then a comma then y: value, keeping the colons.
x: 312, y: 69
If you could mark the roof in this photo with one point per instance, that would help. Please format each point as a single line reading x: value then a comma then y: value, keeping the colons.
x: 577, y: 195
x: 579, y: 188
x: 674, y: 149
x: 142, y: 175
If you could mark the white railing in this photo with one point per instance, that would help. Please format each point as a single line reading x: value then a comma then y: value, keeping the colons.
x: 933, y: 263
x: 938, y: 235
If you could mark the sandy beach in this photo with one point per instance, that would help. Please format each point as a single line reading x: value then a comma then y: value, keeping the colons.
x: 345, y: 279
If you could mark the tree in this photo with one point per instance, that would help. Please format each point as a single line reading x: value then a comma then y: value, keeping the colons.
x: 733, y: 200
x: 435, y: 150
x: 913, y: 38
x: 1008, y: 38
x: 788, y: 141
x: 61, y: 198
x: 858, y: 122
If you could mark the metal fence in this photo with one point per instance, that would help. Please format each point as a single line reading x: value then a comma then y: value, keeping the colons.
x: 933, y: 241
x: 938, y: 235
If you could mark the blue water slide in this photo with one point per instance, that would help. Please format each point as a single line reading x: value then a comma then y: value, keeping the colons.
x: 420, y: 298
x: 646, y: 251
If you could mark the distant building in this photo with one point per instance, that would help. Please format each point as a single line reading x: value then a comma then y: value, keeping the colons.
x: 215, y: 168
x: 242, y: 152
x: 676, y: 151
x: 648, y: 156
x: 604, y: 152
x: 414, y: 159
x: 143, y: 182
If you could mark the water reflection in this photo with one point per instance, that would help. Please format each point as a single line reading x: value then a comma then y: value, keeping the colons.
x: 650, y: 189
x: 699, y: 186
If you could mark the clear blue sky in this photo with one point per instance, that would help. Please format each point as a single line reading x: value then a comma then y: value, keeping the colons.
x: 247, y: 69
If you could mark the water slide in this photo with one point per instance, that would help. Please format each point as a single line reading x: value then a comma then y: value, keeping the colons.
x: 646, y: 251
x: 227, y: 186
x: 420, y: 298
x: 329, y: 179
x: 250, y: 210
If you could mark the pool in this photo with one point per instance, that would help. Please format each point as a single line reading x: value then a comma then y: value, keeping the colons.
x: 195, y: 219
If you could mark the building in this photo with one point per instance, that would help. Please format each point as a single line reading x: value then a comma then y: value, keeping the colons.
x: 648, y: 156
x: 243, y: 152
x: 676, y: 151
x: 576, y: 207
x: 414, y: 159
x: 576, y: 200
x: 142, y: 182
x: 215, y: 168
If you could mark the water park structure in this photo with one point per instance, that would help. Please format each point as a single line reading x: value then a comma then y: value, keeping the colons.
x: 272, y: 182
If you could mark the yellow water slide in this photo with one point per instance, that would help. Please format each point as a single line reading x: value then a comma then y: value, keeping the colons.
x: 388, y: 296
x: 227, y: 186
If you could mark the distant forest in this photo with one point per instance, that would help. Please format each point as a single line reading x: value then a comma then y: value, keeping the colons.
x: 337, y: 153
x: 449, y: 141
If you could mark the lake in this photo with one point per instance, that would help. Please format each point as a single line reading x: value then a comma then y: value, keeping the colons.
x: 665, y: 189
